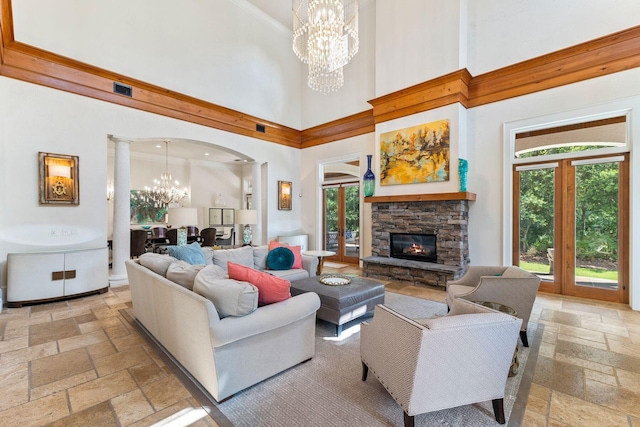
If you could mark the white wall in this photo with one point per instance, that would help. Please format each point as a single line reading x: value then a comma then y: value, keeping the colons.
x: 505, y: 32
x: 221, y: 51
x: 34, y: 118
x: 335, y: 152
x: 418, y: 40
x: 359, y: 80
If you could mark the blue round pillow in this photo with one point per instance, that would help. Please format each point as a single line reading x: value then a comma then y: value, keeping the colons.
x: 280, y: 258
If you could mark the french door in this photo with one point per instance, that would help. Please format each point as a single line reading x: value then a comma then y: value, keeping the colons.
x: 571, y: 225
x: 341, y: 221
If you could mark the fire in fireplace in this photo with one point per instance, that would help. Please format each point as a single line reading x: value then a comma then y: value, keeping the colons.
x: 417, y: 247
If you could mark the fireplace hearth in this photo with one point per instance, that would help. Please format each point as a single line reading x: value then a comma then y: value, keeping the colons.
x: 416, y: 247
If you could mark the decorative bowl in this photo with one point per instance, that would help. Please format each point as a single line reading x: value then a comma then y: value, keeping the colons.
x: 335, y: 279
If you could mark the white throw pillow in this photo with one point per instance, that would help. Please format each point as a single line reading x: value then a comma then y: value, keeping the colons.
x: 158, y: 263
x: 242, y: 256
x: 230, y: 297
x: 183, y: 273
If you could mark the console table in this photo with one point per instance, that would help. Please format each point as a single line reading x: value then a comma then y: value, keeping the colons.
x: 45, y: 276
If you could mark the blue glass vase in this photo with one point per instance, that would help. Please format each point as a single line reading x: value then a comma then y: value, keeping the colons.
x: 463, y: 169
x: 369, y: 179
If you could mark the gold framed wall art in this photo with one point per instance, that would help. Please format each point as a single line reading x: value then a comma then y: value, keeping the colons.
x: 59, y: 179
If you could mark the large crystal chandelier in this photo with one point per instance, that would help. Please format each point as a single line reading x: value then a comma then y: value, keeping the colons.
x: 325, y: 36
x: 164, y: 191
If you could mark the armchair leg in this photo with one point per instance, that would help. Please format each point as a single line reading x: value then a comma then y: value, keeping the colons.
x: 498, y: 410
x: 409, y: 420
x: 365, y: 371
x: 523, y: 337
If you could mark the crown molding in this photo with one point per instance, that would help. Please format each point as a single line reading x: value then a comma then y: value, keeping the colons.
x: 448, y: 89
x: 346, y: 127
x: 606, y: 55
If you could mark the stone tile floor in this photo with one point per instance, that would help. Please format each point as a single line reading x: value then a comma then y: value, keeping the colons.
x: 80, y: 362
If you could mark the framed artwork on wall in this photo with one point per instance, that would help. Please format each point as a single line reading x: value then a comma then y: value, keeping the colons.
x: 415, y: 154
x: 59, y: 179
x: 221, y: 216
x: 143, y: 209
x: 284, y: 195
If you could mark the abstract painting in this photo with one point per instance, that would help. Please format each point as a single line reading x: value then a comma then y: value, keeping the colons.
x: 415, y: 154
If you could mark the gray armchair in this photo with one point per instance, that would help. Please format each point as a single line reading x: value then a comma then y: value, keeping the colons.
x: 511, y: 286
x: 411, y: 359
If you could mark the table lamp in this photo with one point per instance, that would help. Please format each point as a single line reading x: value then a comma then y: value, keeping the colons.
x: 181, y: 217
x: 246, y: 217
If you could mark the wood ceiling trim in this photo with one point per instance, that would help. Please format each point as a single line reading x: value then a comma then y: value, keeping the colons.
x: 33, y: 65
x: 347, y: 127
x: 606, y: 55
x: 599, y: 57
x: 441, y: 91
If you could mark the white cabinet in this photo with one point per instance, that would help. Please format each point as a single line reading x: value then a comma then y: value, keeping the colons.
x: 39, y: 276
x: 301, y: 240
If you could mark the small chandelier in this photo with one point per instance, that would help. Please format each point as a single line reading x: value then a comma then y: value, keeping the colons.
x: 325, y: 36
x: 165, y: 192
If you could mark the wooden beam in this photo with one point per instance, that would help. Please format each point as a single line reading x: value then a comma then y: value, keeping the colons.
x: 609, y: 54
x: 448, y: 89
x: 421, y: 197
x: 347, y: 127
x: 605, y: 55
x: 33, y: 65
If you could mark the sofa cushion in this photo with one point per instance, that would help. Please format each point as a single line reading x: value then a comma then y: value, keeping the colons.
x: 280, y: 259
x: 260, y: 257
x: 158, y: 263
x: 291, y: 275
x: 270, y: 288
x: 230, y: 297
x: 208, y: 255
x: 190, y: 253
x: 297, y: 254
x: 242, y: 256
x: 461, y: 320
x: 183, y: 273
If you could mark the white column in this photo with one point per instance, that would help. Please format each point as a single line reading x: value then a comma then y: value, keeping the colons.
x: 256, y: 197
x: 121, y: 234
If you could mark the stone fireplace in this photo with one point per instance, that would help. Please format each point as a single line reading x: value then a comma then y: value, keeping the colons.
x: 446, y: 216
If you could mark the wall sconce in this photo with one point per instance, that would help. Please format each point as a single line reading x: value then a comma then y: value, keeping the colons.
x: 58, y: 179
x: 284, y: 195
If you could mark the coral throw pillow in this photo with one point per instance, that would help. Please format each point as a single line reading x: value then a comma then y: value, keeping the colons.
x: 270, y: 288
x: 297, y: 256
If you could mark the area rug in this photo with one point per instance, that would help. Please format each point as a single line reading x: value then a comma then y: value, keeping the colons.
x: 334, y: 265
x: 328, y: 391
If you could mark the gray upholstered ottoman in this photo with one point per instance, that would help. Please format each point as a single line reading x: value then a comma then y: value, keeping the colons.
x: 340, y: 304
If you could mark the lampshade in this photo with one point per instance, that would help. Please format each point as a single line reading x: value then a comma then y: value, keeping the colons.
x: 247, y: 216
x: 179, y: 217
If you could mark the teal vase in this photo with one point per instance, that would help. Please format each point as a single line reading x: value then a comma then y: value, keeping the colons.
x: 369, y: 179
x: 463, y: 169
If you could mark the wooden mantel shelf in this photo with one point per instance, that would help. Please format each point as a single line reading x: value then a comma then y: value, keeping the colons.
x: 421, y: 197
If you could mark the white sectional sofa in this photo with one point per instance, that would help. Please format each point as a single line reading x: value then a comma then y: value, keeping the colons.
x: 224, y: 354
